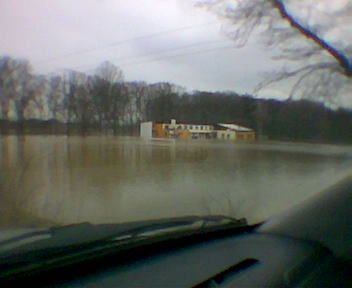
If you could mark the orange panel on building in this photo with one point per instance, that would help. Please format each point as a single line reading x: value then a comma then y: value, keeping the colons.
x: 184, y: 134
x: 246, y: 136
x: 158, y: 131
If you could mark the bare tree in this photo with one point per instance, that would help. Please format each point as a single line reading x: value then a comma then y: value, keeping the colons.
x: 119, y: 100
x: 18, y: 87
x: 310, y: 38
x: 7, y: 85
x: 23, y: 95
x: 100, y: 92
x: 110, y: 72
x: 142, y: 98
x: 38, y: 95
x: 109, y: 99
x: 83, y: 107
x: 140, y: 95
x: 78, y: 100
x: 56, y: 97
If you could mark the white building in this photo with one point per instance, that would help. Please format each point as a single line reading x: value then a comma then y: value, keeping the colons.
x: 196, y: 131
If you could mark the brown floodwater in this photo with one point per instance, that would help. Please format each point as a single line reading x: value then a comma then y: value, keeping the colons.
x: 61, y: 180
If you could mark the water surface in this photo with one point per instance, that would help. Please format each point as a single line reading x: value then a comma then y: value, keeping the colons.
x: 107, y: 179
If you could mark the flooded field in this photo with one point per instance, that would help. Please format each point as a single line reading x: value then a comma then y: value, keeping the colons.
x: 58, y: 179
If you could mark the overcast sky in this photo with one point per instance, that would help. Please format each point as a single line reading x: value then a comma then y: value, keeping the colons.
x: 151, y: 40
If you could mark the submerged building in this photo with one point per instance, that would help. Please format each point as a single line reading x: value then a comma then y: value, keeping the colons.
x: 174, y: 130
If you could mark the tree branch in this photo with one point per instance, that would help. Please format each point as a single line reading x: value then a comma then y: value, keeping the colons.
x: 281, y: 75
x: 343, y: 60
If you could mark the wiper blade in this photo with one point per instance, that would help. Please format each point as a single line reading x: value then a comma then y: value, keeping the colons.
x: 24, y: 238
x: 83, y: 233
x: 175, y: 224
x: 84, y: 239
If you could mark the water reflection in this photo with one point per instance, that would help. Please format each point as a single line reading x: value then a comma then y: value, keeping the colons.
x: 106, y: 179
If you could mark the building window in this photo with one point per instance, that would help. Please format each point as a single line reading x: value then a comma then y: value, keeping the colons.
x: 196, y: 127
x: 201, y: 127
x: 190, y: 127
x: 228, y: 136
x: 166, y: 126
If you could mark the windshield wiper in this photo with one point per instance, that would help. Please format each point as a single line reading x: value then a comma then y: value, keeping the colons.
x: 9, y: 243
x: 79, y: 240
x: 61, y: 236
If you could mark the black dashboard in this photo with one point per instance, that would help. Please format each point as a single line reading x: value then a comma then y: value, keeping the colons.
x: 254, y: 260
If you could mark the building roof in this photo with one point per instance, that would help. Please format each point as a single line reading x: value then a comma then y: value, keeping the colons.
x: 235, y: 127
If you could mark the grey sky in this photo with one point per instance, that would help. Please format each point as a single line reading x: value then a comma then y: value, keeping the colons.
x: 56, y: 34
x: 46, y: 32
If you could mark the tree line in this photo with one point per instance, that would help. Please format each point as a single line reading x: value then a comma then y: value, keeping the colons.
x: 80, y: 102
x: 290, y: 120
x: 74, y: 102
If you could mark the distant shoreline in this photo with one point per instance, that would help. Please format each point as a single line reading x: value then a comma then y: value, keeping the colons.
x: 265, y: 143
x: 55, y: 127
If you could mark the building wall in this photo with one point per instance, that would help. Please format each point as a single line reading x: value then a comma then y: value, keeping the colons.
x: 189, y: 127
x: 184, y: 135
x: 199, y: 128
x: 246, y: 136
x: 226, y: 135
x: 187, y: 131
x: 146, y: 130
x: 159, y: 131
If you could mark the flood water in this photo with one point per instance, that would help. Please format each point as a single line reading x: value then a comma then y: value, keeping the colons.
x: 64, y: 180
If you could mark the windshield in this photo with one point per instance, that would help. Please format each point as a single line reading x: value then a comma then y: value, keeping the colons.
x: 120, y: 111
